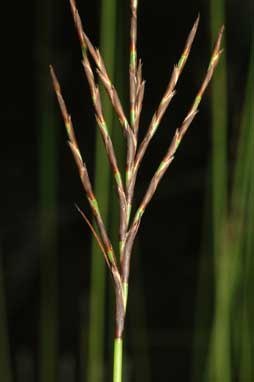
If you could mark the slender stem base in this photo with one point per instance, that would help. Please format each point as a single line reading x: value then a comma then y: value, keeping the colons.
x: 118, y: 357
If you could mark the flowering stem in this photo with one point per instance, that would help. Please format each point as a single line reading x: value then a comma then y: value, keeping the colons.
x: 118, y: 359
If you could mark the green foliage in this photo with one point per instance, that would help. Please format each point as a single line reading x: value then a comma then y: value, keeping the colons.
x: 230, y: 348
x: 47, y: 125
x: 243, y: 224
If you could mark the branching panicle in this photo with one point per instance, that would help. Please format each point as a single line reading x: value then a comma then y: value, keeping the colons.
x: 128, y: 227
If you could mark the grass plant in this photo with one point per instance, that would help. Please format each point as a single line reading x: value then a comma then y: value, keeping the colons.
x: 118, y: 259
x: 242, y: 219
x: 232, y: 328
x: 230, y: 349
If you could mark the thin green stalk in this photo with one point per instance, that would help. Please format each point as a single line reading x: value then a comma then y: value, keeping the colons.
x: 47, y: 187
x: 48, y: 249
x: 219, y: 363
x: 203, y: 306
x: 243, y: 202
x: 244, y: 149
x: 246, y: 327
x: 219, y: 129
x: 118, y: 359
x: 102, y: 187
x: 231, y: 271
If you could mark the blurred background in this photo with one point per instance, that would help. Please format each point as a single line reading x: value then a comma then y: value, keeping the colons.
x: 191, y: 310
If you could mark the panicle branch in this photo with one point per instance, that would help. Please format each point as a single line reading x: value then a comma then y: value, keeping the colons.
x: 169, y: 156
x: 133, y: 61
x: 95, y: 93
x: 167, y: 97
x: 107, y: 141
x: 97, y: 238
x: 164, y: 103
x: 86, y: 45
x: 135, y: 79
x: 83, y: 173
x: 140, y: 89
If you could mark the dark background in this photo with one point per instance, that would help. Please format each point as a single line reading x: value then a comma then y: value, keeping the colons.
x: 166, y: 271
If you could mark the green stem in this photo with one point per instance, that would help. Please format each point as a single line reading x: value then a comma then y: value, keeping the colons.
x: 118, y: 358
x: 219, y: 360
x: 47, y: 125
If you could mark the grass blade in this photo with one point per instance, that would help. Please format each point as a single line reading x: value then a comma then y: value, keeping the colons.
x: 219, y: 362
x: 47, y: 185
x: 242, y: 203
